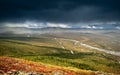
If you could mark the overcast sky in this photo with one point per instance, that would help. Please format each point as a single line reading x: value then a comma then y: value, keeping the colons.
x: 59, y: 11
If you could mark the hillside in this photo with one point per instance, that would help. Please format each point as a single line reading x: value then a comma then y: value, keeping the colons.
x: 23, y: 67
x: 49, y: 51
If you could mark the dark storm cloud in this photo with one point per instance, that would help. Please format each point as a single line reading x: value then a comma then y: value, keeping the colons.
x: 60, y: 11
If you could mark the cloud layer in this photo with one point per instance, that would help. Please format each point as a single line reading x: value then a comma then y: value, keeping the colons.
x: 59, y: 11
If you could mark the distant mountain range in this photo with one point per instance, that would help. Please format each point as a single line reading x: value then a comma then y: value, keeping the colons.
x: 46, y: 29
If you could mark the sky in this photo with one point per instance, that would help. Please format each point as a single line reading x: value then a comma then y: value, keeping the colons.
x: 58, y: 13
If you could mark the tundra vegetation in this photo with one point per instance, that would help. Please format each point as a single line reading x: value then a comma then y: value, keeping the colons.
x: 48, y: 51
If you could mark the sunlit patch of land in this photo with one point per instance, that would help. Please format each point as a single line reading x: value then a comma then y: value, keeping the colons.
x: 17, y: 66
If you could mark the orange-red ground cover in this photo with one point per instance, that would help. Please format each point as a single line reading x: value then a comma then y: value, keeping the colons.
x: 11, y: 65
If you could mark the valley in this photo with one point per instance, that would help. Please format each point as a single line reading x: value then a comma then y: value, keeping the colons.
x: 77, y: 53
